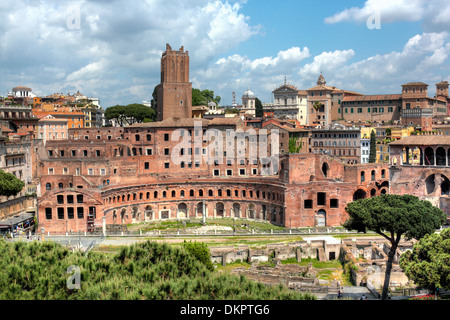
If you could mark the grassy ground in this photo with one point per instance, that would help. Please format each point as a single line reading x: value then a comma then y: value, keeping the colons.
x: 174, y: 225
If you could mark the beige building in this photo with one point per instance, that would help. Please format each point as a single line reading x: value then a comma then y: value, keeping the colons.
x: 289, y: 103
x: 50, y: 128
x: 324, y: 103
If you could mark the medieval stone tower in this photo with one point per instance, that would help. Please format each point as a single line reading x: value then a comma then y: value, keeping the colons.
x: 175, y: 91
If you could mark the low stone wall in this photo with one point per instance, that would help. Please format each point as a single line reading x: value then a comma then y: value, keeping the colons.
x: 317, y: 249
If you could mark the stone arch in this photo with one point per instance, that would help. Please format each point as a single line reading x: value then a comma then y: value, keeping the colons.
x: 383, y: 191
x: 359, y: 194
x: 429, y: 156
x: 199, y: 209
x: 373, y: 193
x: 430, y: 184
x: 135, y: 214
x: 321, y: 218
x: 325, y: 169
x: 236, y: 210
x: 251, y: 211
x: 264, y: 212
x: 148, y: 213
x: 123, y: 213
x: 182, y: 210
x: 445, y: 186
x: 441, y: 157
x: 220, y: 208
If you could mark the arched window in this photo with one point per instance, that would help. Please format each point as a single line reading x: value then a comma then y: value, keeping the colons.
x: 60, y: 185
x: 48, y: 186
x: 173, y: 193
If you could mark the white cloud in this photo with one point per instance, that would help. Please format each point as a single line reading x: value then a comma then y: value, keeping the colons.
x: 421, y: 56
x: 114, y: 40
x: 435, y: 14
x: 326, y: 61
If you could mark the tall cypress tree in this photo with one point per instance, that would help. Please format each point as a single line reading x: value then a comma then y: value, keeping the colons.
x: 373, y: 148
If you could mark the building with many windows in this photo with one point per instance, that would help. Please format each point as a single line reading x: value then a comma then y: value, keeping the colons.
x: 289, y: 103
x: 183, y: 167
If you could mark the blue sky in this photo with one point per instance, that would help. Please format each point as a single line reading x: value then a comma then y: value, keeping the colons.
x: 114, y: 51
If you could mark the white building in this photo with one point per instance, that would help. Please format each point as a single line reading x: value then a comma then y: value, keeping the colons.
x: 22, y: 92
x: 289, y: 103
x: 365, y: 149
x: 248, y: 102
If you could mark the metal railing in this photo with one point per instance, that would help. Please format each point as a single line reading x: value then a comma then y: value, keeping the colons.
x: 194, y: 233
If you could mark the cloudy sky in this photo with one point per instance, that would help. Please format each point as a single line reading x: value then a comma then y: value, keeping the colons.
x: 111, y: 49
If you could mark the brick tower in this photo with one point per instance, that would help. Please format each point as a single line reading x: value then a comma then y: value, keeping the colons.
x: 175, y: 91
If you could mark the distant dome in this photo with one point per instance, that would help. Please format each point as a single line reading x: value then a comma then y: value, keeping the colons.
x: 249, y: 94
x: 211, y: 104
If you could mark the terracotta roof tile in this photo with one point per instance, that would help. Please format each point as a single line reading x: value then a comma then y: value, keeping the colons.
x: 375, y: 97
x: 427, y: 140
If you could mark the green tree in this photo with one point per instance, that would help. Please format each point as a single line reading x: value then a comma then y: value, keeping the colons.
x: 259, y: 110
x: 201, y: 252
x: 9, y: 184
x: 197, y: 98
x: 373, y: 147
x: 232, y: 110
x: 203, y: 97
x: 428, y: 264
x: 130, y: 114
x: 294, y: 147
x: 394, y: 216
x: 154, y: 101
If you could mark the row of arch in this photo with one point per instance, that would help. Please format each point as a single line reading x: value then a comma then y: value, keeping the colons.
x: 373, y: 175
x: 195, y: 209
x: 429, y: 156
x: 195, y: 193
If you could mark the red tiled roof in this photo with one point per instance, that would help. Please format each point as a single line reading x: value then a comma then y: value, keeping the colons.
x: 415, y: 84
x: 5, y: 129
x: 375, y: 97
x: 425, y: 140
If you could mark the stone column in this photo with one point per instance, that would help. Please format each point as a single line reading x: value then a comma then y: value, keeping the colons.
x: 104, y: 225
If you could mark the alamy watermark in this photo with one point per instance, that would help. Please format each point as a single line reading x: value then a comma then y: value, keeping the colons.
x: 374, y: 20
x: 247, y: 146
x: 73, y: 21
x: 74, y: 281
